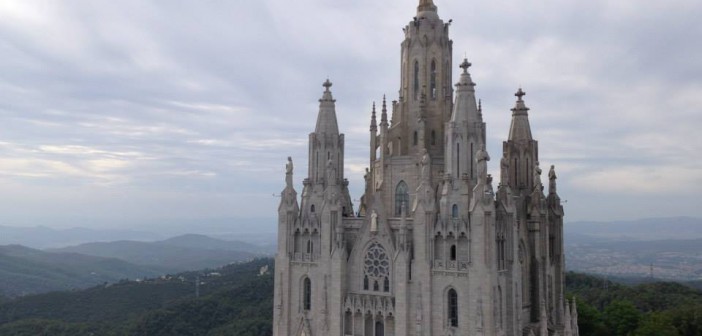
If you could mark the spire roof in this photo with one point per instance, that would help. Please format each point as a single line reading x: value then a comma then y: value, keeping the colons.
x: 326, y: 119
x: 373, y: 125
x: 465, y: 107
x: 520, y: 129
x: 426, y: 5
x: 384, y: 114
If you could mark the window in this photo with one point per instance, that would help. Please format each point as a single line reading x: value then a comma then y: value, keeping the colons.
x: 433, y: 138
x: 432, y: 81
x: 379, y: 328
x: 307, y: 294
x: 414, y: 139
x: 453, y: 252
x: 416, y: 79
x: 452, y: 308
x: 458, y: 159
x: 401, y: 197
x: 376, y: 267
x: 312, y: 208
x: 310, y: 246
x: 454, y: 211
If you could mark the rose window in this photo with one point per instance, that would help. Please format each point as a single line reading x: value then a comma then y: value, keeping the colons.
x: 376, y: 269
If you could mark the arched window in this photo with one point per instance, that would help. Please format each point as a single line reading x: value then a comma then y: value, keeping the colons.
x: 452, y: 308
x: 376, y: 267
x: 458, y: 159
x: 310, y: 246
x: 386, y: 285
x: 433, y: 138
x: 401, y: 197
x: 379, y: 328
x: 312, y: 208
x: 416, y: 79
x: 453, y: 252
x: 432, y: 80
x: 454, y: 211
x: 415, y: 138
x: 307, y: 294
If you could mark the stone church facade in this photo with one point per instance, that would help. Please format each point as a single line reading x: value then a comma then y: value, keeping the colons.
x: 434, y: 248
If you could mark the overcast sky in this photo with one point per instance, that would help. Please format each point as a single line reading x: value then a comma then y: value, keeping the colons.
x: 139, y: 112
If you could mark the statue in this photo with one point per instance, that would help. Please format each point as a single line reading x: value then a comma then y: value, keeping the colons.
x: 552, y: 180
x: 425, y: 165
x: 537, y: 177
x: 331, y: 176
x: 504, y: 170
x: 482, y: 157
x: 374, y: 222
x: 289, y: 172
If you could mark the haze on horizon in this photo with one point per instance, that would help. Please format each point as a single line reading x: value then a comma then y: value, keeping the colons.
x: 140, y: 114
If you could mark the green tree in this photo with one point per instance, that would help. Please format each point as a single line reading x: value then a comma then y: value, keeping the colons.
x: 656, y: 324
x: 621, y: 318
x: 687, y: 320
x: 590, y: 321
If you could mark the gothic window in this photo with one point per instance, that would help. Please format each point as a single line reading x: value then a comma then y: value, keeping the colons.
x: 401, y: 197
x: 472, y: 161
x: 386, y: 285
x: 433, y: 138
x: 453, y: 308
x: 458, y: 159
x: 416, y: 79
x: 365, y: 282
x: 307, y: 294
x: 432, y: 82
x: 297, y: 247
x: 310, y: 246
x: 376, y: 267
x: 379, y: 328
x: 453, y: 252
x: 414, y: 139
x: 312, y: 208
x: 454, y: 211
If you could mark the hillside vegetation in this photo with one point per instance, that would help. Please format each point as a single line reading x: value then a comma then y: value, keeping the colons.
x: 26, y: 271
x: 236, y: 300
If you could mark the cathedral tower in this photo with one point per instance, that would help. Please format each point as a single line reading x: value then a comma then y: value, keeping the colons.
x: 434, y: 248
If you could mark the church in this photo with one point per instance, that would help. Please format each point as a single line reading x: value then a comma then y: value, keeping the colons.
x: 437, y: 246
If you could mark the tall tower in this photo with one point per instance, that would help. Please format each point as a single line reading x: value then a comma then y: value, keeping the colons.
x: 434, y: 249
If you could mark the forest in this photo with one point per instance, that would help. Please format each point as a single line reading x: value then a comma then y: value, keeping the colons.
x: 238, y: 300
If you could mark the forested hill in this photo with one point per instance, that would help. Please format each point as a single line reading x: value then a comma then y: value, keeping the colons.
x: 234, y: 300
x: 237, y: 300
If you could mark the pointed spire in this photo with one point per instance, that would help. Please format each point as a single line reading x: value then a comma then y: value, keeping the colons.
x: 326, y: 119
x: 520, y: 128
x: 384, y: 114
x: 373, y: 125
x: 465, y: 107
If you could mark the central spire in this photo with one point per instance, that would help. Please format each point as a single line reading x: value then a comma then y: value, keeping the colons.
x: 426, y: 5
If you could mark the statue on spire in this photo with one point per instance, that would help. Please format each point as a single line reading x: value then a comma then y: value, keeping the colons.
x: 426, y: 5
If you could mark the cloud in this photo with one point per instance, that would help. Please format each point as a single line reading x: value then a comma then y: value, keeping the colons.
x: 184, y: 106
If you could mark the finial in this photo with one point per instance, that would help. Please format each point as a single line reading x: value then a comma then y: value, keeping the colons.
x: 426, y: 5
x: 327, y: 84
x: 373, y: 109
x: 465, y: 65
x: 520, y: 94
x: 480, y: 105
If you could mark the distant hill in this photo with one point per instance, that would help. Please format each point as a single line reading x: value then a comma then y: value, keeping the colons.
x: 235, y: 300
x: 178, y: 254
x: 198, y: 241
x: 41, y: 237
x: 26, y: 271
